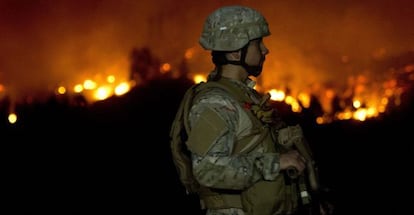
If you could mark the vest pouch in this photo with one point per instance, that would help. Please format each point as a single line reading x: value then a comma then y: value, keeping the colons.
x: 270, y: 197
x: 219, y: 199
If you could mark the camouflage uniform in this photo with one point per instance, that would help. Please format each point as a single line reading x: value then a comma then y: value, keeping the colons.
x: 218, y: 167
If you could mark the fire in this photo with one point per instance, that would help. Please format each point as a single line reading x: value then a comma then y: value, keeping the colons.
x: 166, y: 67
x: 12, y: 118
x: 199, y: 78
x: 89, y: 84
x: 293, y: 102
x: 93, y: 90
x: 102, y: 93
x: 360, y: 102
x: 122, y: 88
x: 277, y: 95
x: 61, y: 90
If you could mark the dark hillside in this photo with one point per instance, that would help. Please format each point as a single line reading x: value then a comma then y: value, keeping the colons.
x: 114, y: 156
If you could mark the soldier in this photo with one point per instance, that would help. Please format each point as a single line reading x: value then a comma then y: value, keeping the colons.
x: 240, y: 149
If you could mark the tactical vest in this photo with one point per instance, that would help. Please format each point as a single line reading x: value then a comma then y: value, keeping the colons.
x: 279, y: 196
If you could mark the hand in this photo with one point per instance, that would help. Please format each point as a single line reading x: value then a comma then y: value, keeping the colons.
x: 326, y: 208
x: 293, y: 159
x: 326, y: 201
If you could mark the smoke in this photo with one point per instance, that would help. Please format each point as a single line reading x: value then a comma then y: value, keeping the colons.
x: 326, y: 42
x: 45, y: 43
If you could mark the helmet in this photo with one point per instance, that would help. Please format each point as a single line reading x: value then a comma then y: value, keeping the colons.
x: 232, y: 27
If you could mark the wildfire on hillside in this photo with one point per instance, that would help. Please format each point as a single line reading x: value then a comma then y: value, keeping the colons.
x: 355, y: 62
x: 362, y: 99
x: 359, y: 102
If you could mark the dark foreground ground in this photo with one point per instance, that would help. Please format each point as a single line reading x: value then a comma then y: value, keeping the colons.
x: 113, y: 157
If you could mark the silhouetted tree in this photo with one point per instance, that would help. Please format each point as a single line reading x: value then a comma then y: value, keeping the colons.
x: 144, y: 66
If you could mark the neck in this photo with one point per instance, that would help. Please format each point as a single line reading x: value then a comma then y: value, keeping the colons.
x: 234, y: 72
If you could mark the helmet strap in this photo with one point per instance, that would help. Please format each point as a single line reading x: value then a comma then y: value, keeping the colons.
x: 251, y: 70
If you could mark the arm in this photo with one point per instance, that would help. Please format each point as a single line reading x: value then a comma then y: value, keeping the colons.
x: 292, y: 137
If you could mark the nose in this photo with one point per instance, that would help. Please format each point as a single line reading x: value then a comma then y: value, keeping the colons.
x: 265, y: 50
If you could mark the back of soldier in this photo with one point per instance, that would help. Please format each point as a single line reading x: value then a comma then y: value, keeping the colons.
x: 279, y: 196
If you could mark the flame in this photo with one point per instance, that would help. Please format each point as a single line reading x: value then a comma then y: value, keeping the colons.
x: 166, y: 67
x: 362, y: 99
x: 277, y: 95
x: 198, y: 78
x: 122, y: 88
x: 102, y: 92
x: 94, y: 90
x: 366, y: 101
x: 12, y: 118
x: 61, y: 90
x: 68, y: 44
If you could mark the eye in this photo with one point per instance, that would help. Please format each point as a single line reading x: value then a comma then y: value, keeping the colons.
x: 260, y: 43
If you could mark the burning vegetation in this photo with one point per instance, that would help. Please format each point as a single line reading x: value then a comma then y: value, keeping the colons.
x: 362, y: 98
x: 349, y: 62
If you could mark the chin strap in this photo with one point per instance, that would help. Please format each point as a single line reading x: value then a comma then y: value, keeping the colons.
x: 252, y: 70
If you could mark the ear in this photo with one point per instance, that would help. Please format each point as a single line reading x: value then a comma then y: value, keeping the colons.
x: 234, y: 55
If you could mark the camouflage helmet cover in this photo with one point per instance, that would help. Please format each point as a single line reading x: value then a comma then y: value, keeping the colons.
x: 232, y: 27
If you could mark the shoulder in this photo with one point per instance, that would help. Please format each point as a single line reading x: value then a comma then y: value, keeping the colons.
x: 214, y: 94
x: 216, y: 106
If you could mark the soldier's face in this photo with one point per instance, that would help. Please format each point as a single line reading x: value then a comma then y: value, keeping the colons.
x: 256, y: 52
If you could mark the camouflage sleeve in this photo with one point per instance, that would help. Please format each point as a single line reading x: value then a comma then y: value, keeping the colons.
x: 214, y: 165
